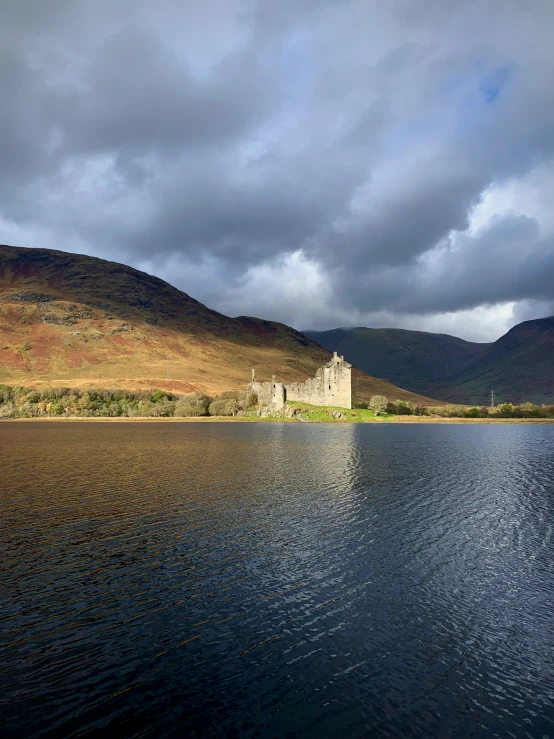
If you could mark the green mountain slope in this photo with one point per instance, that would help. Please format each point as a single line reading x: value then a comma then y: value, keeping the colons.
x: 411, y: 359
x: 519, y: 366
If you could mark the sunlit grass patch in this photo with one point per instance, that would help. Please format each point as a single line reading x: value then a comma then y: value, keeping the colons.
x: 333, y: 413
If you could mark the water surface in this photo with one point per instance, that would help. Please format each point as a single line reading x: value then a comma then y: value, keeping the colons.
x: 274, y: 580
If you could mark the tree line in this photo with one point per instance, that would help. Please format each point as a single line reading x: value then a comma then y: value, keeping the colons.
x: 382, y: 406
x: 21, y: 402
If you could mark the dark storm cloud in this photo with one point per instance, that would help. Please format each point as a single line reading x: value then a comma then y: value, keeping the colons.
x: 138, y: 98
x: 351, y: 139
x: 470, y: 274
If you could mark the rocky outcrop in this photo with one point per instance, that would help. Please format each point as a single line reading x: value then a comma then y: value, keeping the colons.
x: 30, y: 297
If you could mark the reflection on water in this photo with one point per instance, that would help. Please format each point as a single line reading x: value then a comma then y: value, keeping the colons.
x: 268, y: 580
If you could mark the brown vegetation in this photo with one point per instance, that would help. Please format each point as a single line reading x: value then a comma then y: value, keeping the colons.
x: 71, y: 320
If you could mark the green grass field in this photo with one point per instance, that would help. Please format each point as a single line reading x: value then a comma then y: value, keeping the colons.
x: 325, y: 413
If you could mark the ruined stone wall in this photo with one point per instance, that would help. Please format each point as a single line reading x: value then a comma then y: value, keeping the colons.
x: 331, y: 386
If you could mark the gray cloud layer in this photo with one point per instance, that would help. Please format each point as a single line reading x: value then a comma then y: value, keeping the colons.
x: 319, y: 163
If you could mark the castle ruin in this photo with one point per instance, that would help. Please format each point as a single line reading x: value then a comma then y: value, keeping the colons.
x: 331, y: 386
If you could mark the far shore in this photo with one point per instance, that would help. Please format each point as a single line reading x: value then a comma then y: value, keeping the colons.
x: 242, y: 419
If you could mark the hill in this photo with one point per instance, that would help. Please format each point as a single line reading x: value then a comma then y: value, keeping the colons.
x: 519, y: 366
x: 411, y: 359
x: 79, y: 321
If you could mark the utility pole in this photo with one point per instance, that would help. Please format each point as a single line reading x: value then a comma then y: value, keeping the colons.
x: 492, y: 398
x: 167, y: 370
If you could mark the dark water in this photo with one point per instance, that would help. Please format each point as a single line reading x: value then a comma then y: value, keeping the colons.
x: 237, y: 580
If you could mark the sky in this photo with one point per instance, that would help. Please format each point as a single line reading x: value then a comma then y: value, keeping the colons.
x: 322, y: 163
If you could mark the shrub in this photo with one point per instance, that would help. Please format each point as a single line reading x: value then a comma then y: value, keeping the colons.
x: 472, y: 413
x: 29, y: 410
x: 55, y: 409
x: 506, y: 410
x: 455, y: 411
x: 5, y: 393
x: 8, y: 409
x: 437, y: 411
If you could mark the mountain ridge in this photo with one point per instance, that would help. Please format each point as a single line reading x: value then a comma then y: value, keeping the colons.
x: 518, y: 366
x: 69, y: 319
x: 409, y: 357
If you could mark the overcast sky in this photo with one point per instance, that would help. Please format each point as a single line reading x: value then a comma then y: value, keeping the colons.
x: 321, y: 163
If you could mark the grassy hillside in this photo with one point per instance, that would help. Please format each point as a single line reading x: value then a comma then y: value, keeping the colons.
x: 519, y: 366
x: 411, y: 359
x: 72, y: 320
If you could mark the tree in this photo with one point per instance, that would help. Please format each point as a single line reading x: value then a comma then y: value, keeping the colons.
x: 158, y: 395
x: 378, y: 404
x: 192, y: 404
x: 223, y: 407
x: 530, y: 409
x: 164, y: 408
x: 403, y: 408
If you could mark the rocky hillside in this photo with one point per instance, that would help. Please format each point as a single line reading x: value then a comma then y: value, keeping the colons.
x: 78, y: 321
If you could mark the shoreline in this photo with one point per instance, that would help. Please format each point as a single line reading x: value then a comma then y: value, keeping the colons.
x: 228, y: 419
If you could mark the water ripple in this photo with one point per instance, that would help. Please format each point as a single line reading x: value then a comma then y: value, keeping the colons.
x: 273, y: 580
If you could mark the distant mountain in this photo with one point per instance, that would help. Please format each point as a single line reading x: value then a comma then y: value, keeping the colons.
x: 78, y: 321
x: 518, y: 367
x: 411, y: 359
